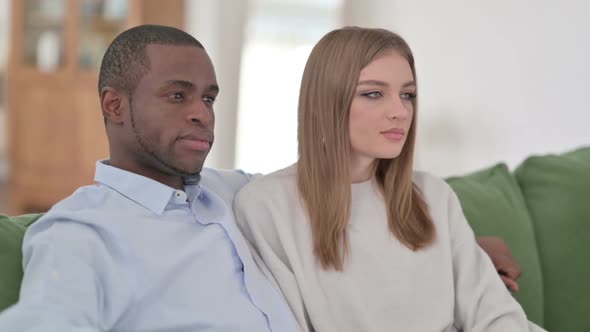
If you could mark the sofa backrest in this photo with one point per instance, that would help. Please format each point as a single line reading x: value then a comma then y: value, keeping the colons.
x: 556, y: 189
x: 494, y: 206
x: 12, y: 230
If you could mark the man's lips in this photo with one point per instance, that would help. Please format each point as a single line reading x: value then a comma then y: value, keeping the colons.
x: 195, y: 142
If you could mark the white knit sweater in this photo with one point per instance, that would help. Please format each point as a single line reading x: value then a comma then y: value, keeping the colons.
x: 449, y: 286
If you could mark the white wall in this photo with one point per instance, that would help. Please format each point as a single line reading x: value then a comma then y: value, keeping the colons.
x: 219, y: 25
x: 498, y: 80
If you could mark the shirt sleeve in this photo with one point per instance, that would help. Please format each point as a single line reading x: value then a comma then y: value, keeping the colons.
x: 482, y: 302
x: 62, y: 287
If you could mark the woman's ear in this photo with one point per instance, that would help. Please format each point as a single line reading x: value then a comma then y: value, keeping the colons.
x: 113, y: 105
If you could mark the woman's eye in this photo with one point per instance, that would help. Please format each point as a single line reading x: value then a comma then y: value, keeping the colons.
x: 176, y: 97
x: 408, y: 95
x: 373, y: 94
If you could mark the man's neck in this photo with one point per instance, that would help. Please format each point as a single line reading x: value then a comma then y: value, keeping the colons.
x: 173, y: 181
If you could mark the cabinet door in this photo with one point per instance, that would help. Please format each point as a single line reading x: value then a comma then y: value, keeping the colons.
x: 99, y: 22
x: 44, y: 142
x: 44, y: 34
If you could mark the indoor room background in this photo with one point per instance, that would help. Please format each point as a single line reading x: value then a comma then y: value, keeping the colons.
x: 498, y: 80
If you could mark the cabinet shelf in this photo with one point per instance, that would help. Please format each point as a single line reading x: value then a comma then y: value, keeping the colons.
x: 56, y: 131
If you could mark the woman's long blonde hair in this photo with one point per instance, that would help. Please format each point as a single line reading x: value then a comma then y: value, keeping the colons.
x: 323, y: 176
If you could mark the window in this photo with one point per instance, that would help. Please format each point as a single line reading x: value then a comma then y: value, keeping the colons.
x: 279, y: 37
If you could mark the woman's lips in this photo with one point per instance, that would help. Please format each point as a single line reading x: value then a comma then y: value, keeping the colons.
x: 394, y: 134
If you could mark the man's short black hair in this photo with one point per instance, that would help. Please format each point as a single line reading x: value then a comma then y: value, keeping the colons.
x: 126, y: 61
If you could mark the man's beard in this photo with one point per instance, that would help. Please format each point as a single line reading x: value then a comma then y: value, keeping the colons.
x: 146, y: 148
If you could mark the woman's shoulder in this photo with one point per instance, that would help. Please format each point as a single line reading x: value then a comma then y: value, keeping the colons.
x: 431, y: 186
x: 281, y: 183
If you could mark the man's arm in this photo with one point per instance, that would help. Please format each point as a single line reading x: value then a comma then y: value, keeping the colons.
x: 505, y: 263
x: 62, y: 286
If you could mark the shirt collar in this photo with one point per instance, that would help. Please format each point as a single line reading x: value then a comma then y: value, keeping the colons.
x: 147, y: 192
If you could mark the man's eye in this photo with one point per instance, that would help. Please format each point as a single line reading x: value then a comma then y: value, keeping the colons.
x: 176, y: 97
x: 373, y: 94
x: 209, y: 100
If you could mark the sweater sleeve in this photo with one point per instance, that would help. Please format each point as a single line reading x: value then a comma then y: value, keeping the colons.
x: 257, y: 220
x: 482, y: 302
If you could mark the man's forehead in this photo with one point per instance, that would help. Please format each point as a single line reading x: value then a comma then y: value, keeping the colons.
x: 171, y: 62
x: 190, y: 85
x: 170, y: 53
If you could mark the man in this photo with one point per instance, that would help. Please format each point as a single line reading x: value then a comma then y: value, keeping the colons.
x: 153, y: 246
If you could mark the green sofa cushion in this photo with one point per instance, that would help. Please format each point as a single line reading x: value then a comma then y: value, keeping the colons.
x: 494, y: 206
x: 12, y: 230
x: 557, y: 192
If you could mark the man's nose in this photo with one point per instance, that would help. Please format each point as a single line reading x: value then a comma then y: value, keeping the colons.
x: 201, y: 113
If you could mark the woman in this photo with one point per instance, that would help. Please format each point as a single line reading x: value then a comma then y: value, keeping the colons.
x: 355, y: 239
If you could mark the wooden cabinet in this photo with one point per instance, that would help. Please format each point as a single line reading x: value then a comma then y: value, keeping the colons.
x: 55, y: 127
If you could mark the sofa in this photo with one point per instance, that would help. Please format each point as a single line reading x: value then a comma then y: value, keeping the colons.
x: 541, y: 210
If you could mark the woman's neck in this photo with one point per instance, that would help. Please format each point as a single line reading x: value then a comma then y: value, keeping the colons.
x: 362, y: 170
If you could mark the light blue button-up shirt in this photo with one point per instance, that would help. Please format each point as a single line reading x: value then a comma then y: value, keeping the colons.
x: 132, y: 254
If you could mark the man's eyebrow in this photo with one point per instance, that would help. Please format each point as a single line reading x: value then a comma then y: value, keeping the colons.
x: 213, y: 88
x: 180, y: 83
x: 191, y: 85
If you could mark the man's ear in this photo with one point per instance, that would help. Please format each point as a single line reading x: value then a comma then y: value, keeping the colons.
x: 114, y: 105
